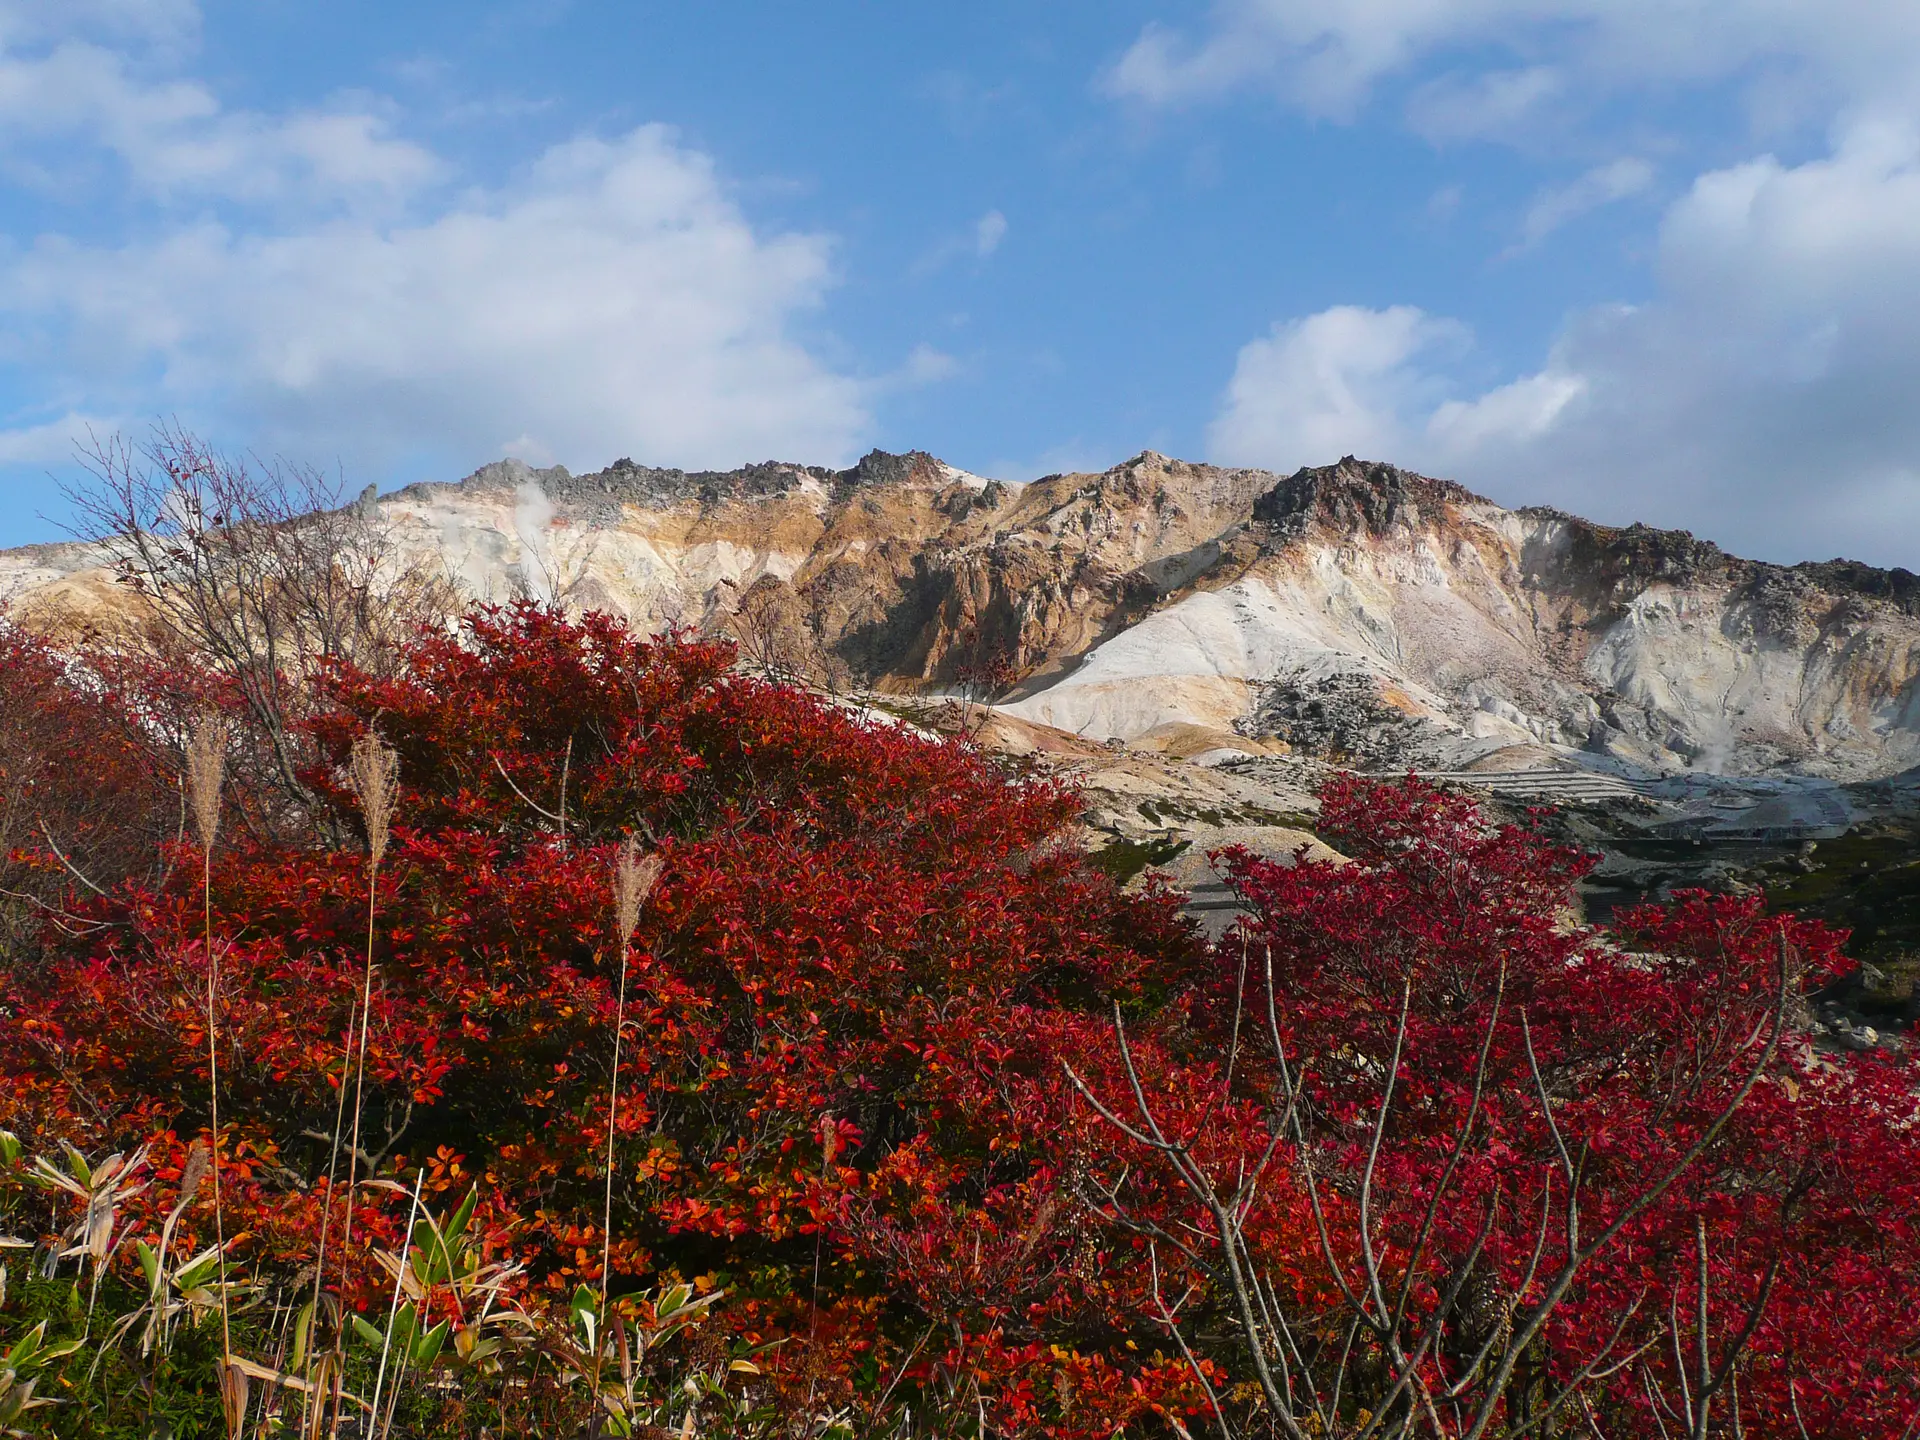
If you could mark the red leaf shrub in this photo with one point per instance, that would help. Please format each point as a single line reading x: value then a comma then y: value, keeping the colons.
x: 851, y: 1004
x: 1479, y: 1090
x: 844, y: 997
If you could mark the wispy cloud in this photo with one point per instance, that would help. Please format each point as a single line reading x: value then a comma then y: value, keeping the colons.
x: 167, y: 23
x: 926, y: 365
x: 988, y: 231
x: 51, y: 442
x: 977, y: 242
x: 1602, y: 185
x: 1494, y: 105
x: 174, y: 139
x: 1330, y: 57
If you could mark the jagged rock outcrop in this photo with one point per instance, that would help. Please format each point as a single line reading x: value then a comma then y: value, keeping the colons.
x: 1354, y: 609
x: 1360, y: 591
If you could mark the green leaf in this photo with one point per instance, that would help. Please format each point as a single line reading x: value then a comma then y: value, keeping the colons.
x: 198, y: 1270
x: 27, y: 1344
x: 302, y: 1330
x: 427, y: 1348
x: 405, y: 1324
x: 366, y: 1331
x: 77, y: 1163
x: 458, y: 1225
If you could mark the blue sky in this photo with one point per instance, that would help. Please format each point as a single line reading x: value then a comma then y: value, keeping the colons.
x: 1642, y: 259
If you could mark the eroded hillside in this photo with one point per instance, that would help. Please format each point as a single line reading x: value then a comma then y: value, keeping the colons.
x: 1356, y: 610
x: 1194, y: 646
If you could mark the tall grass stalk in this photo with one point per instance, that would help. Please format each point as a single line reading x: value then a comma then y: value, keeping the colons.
x: 326, y: 1226
x: 633, y: 880
x: 373, y: 771
x: 393, y: 1309
x: 206, y: 769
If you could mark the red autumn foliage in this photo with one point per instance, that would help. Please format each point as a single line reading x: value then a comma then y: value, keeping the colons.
x: 1745, y: 1207
x: 73, y: 784
x: 827, y: 1007
x: 851, y: 1003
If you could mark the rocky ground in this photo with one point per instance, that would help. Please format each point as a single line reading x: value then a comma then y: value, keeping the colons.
x: 1846, y: 853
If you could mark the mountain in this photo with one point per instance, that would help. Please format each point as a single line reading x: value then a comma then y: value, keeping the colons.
x: 1356, y: 609
x: 1400, y: 618
x: 1196, y: 647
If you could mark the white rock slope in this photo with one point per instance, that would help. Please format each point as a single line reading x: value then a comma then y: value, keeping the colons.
x: 1353, y: 610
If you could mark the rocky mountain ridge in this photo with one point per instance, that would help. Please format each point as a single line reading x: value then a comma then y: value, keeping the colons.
x: 1355, y: 609
x: 1196, y: 646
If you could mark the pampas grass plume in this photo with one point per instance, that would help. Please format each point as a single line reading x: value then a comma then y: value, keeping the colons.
x: 633, y: 880
x: 374, y: 772
x: 194, y: 1175
x: 206, y: 768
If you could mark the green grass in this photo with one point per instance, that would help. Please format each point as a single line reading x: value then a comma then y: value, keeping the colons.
x: 1868, y: 881
x: 110, y: 1392
x: 1124, y: 859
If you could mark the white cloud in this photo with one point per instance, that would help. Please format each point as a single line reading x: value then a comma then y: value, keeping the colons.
x: 174, y: 139
x: 612, y: 300
x: 50, y: 442
x: 1764, y: 397
x: 1762, y: 393
x: 309, y: 280
x: 988, y: 231
x: 1328, y: 56
x: 1602, y: 185
x: 1340, y: 382
x: 1524, y: 410
x: 1501, y: 103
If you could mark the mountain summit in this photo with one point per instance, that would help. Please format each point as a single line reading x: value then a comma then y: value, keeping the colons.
x: 1355, y: 609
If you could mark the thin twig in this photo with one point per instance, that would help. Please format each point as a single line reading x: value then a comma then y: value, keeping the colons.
x: 61, y: 856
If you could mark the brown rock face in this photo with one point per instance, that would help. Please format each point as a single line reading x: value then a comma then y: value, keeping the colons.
x: 1354, y: 603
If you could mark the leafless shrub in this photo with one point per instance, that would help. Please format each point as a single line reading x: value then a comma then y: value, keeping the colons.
x: 779, y: 641
x: 101, y: 823
x: 1379, y: 1367
x: 257, y: 572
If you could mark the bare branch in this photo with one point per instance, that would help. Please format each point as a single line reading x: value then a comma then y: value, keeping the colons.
x: 71, y: 868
